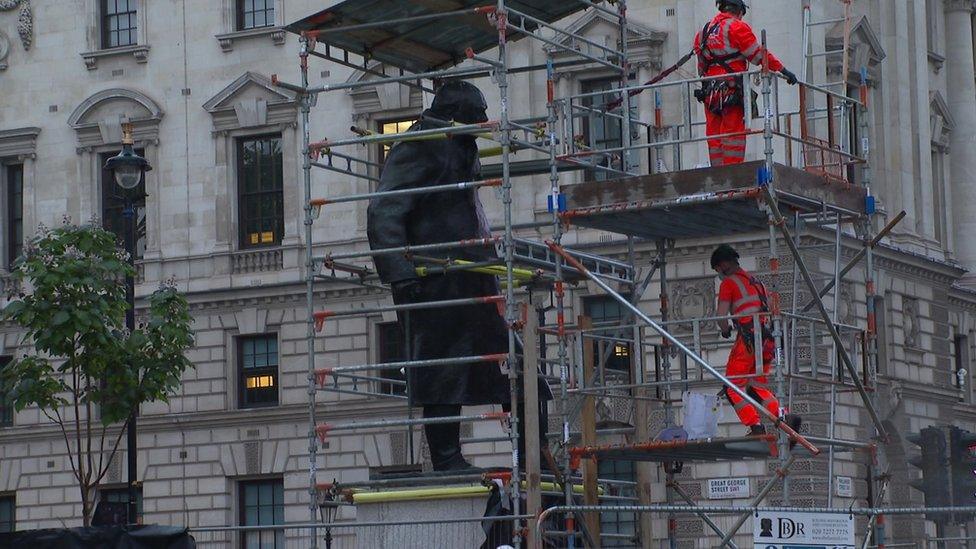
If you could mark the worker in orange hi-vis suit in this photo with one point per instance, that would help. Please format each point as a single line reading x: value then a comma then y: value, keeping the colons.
x: 727, y: 45
x: 742, y: 296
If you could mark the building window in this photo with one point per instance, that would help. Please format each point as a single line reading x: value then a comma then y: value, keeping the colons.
x: 119, y: 23
x: 259, y: 183
x: 15, y: 212
x: 391, y: 347
x: 258, y: 370
x: 121, y: 496
x: 253, y: 14
x: 113, y: 206
x: 607, y: 311
x: 603, y: 132
x: 618, y: 523
x: 960, y: 367
x: 6, y: 407
x: 387, y: 127
x: 262, y: 504
x: 939, y: 197
x: 8, y: 513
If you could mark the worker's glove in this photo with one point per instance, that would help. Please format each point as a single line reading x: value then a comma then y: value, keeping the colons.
x: 407, y: 291
x: 790, y: 77
x: 727, y: 333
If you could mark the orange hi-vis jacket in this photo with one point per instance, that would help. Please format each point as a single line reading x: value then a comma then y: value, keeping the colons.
x: 730, y: 45
x: 746, y: 294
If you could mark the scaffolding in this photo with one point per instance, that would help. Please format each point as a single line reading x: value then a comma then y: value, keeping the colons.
x: 787, y: 194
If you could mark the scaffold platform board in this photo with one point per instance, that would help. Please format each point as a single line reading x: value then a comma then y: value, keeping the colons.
x: 709, y: 449
x: 416, y: 44
x: 703, y: 202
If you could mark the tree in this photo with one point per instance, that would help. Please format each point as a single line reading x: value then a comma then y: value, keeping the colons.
x: 86, y: 372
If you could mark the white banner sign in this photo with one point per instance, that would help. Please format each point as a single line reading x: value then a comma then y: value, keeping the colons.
x: 803, y: 531
x: 728, y: 488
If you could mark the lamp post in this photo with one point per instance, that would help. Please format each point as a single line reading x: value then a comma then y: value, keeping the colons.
x: 128, y: 169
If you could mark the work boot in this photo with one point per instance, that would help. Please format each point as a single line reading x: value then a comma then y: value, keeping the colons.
x: 795, y: 422
x: 757, y: 430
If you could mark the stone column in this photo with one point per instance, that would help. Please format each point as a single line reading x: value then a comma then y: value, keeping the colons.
x: 961, y: 85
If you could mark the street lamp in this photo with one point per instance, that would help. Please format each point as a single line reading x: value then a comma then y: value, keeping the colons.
x: 129, y: 169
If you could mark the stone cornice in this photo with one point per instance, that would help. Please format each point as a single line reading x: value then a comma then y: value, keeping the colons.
x: 19, y: 142
x: 291, y: 414
x: 959, y: 5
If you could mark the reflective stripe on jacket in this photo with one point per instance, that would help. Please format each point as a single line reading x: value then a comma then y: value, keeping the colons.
x: 733, y: 39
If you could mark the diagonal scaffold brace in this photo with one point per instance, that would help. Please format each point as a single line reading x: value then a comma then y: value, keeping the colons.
x: 780, y: 424
x: 780, y: 223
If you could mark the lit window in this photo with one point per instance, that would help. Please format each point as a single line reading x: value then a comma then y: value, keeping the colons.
x: 607, y: 311
x: 261, y: 195
x: 390, y: 127
x: 258, y: 370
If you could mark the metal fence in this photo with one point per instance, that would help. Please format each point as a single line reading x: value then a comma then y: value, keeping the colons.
x: 405, y: 534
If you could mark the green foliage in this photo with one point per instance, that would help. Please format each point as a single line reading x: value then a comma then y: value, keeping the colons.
x: 74, y: 316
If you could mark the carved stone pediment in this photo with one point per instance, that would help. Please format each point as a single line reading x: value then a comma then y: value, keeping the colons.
x: 19, y: 142
x: 97, y: 120
x: 644, y: 44
x: 866, y: 51
x: 251, y: 101
x: 941, y: 121
x: 385, y: 98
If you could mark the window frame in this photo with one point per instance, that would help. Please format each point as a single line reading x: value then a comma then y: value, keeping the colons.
x: 104, y: 24
x: 589, y: 85
x: 242, y: 485
x: 586, y: 306
x: 6, y: 410
x: 274, y: 371
x: 121, y: 493
x: 13, y: 215
x: 11, y: 498
x: 239, y: 143
x: 382, y: 343
x: 240, y: 13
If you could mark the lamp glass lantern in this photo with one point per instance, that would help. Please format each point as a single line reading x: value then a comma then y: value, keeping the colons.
x: 127, y: 166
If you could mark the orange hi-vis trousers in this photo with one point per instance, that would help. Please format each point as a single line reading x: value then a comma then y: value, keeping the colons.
x: 729, y: 150
x: 742, y: 362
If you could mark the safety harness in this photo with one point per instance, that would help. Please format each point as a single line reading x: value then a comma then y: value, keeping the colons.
x: 719, y: 93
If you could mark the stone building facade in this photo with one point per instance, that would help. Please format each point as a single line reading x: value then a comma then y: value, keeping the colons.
x: 194, y: 80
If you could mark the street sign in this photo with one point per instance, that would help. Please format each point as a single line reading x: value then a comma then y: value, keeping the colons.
x: 803, y: 530
x: 728, y: 488
x: 845, y: 487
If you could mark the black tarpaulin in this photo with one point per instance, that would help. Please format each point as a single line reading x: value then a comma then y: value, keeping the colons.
x: 104, y: 537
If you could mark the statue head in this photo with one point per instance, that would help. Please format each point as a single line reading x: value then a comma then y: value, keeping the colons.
x: 460, y: 101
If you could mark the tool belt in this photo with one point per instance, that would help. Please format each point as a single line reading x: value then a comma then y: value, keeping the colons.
x: 720, y: 93
x: 748, y: 334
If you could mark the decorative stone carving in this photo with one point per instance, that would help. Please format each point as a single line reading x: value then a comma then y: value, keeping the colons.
x: 97, y: 119
x: 226, y: 40
x: 25, y: 21
x: 910, y: 322
x: 941, y: 121
x: 692, y: 298
x: 4, y: 50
